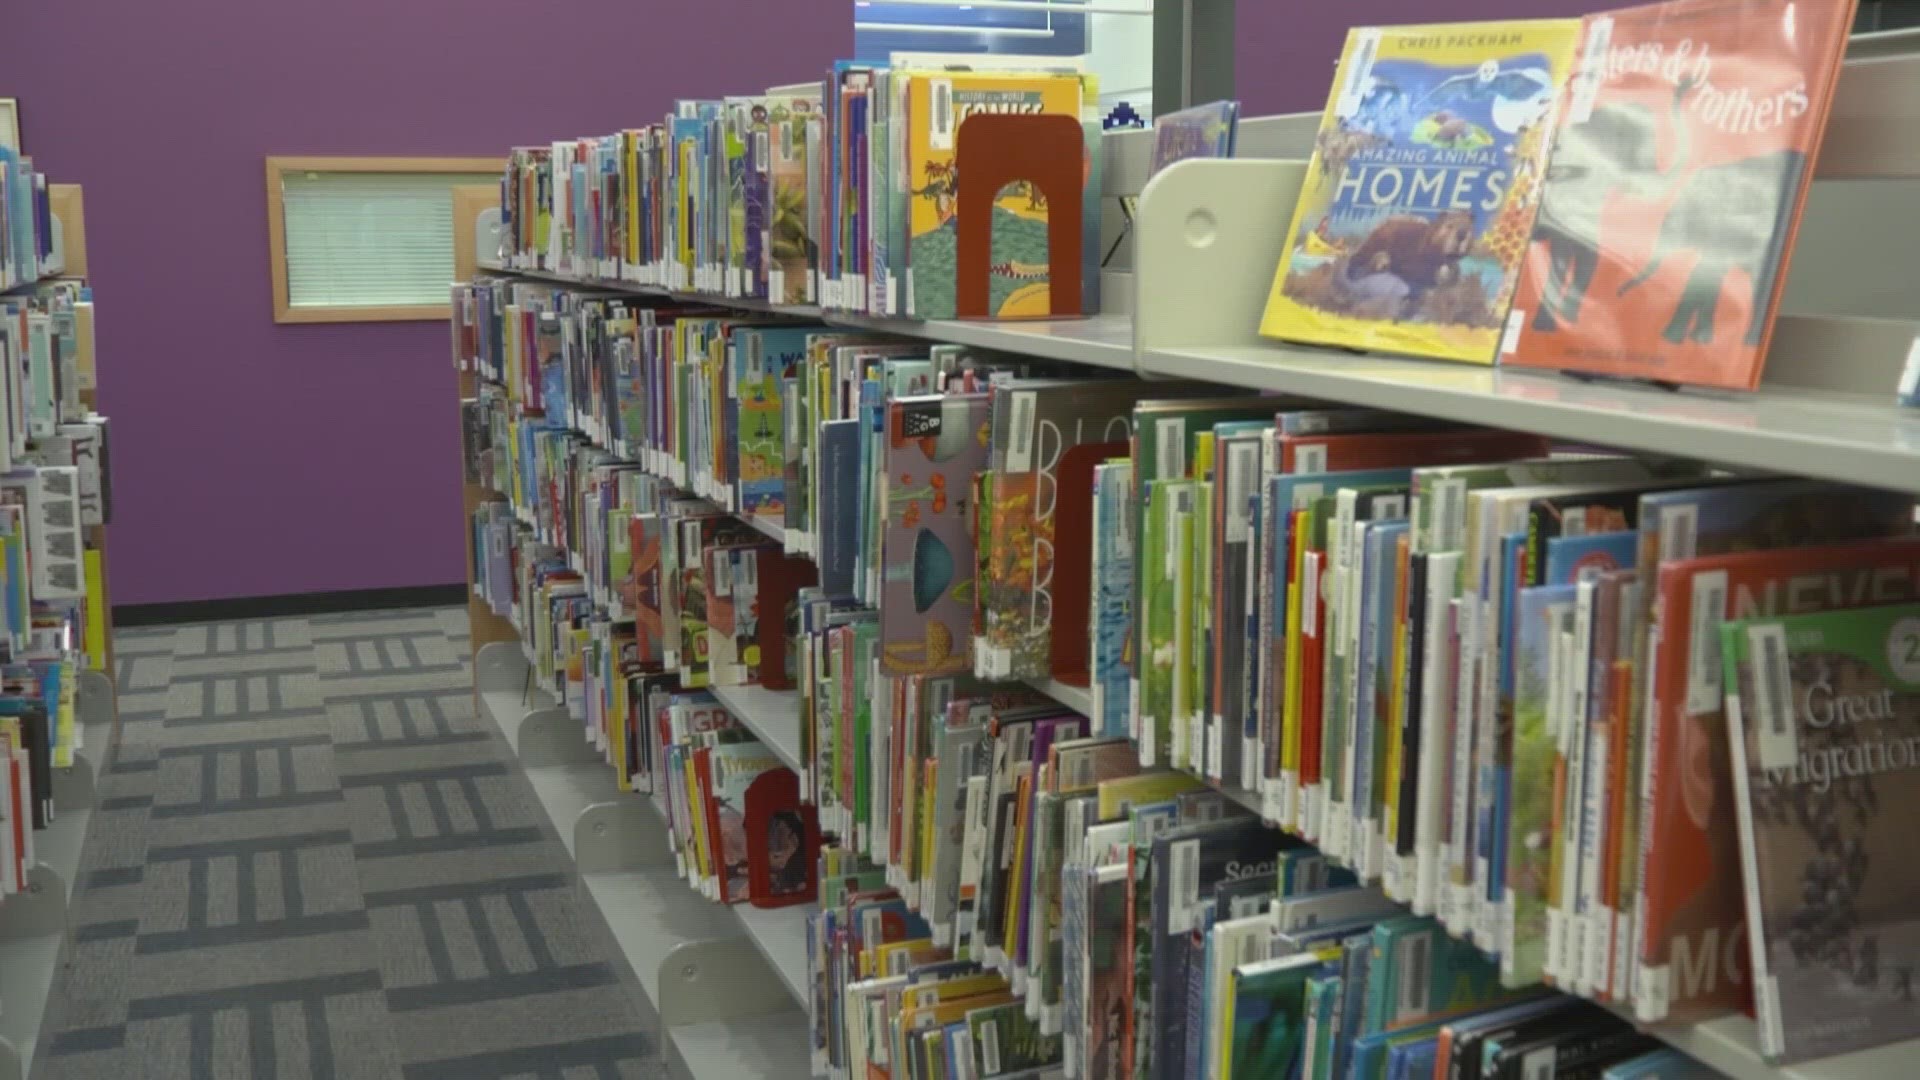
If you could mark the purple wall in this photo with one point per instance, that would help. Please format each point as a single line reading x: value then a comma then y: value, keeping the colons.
x: 1285, y: 50
x: 253, y: 459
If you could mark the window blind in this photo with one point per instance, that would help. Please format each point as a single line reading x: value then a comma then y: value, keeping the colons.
x: 361, y: 239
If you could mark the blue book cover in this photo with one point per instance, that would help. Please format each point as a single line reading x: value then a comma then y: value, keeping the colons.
x: 839, y: 489
x: 766, y: 357
x: 1491, y: 794
x: 1356, y: 961
x: 1380, y: 575
x: 1573, y: 559
x: 1414, y: 1060
x: 1112, y: 620
x: 1664, y: 1064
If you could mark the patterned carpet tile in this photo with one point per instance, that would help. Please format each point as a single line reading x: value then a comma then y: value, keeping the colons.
x: 311, y: 858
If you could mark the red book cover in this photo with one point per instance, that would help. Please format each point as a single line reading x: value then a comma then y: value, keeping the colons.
x: 1694, y: 948
x: 783, y: 841
x: 1675, y: 189
x: 1372, y: 450
x: 1072, y: 578
x: 1312, y: 672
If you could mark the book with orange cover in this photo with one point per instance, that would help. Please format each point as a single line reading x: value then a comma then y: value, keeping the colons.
x: 1675, y: 188
x: 1692, y: 949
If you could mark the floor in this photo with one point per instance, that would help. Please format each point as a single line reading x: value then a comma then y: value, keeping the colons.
x: 312, y: 859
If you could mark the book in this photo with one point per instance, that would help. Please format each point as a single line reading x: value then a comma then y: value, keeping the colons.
x: 1111, y: 619
x: 1693, y: 903
x: 1821, y: 710
x: 938, y: 104
x: 1202, y: 131
x: 1421, y: 193
x: 934, y: 445
x: 1678, y: 105
x: 1266, y: 1017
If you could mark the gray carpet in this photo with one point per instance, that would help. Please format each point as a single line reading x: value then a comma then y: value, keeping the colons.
x: 312, y: 858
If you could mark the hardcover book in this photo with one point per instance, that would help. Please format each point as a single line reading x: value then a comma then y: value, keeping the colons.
x: 1675, y: 189
x: 934, y: 445
x: 1822, y: 711
x: 1695, y: 915
x: 1409, y: 232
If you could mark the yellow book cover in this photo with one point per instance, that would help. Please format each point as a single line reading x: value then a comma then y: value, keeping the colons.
x: 1114, y: 796
x: 1425, y: 179
x: 95, y: 570
x: 630, y: 189
x: 937, y: 103
x: 1397, y: 701
x: 1290, y: 701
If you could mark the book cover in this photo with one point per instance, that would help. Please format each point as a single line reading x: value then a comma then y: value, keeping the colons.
x: 1694, y: 932
x: 731, y: 770
x: 1409, y: 232
x: 1675, y: 189
x: 1110, y: 621
x: 937, y: 104
x: 1822, y: 711
x: 934, y: 445
x: 1203, y: 131
x: 1576, y: 558
x: 1266, y: 1018
x: 1529, y: 837
x: 1185, y: 866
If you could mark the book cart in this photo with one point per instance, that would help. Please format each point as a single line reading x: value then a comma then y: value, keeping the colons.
x: 728, y: 983
x: 33, y: 925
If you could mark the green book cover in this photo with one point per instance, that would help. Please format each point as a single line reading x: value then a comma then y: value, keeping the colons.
x: 1322, y: 1023
x: 1005, y: 1040
x: 1170, y: 504
x: 1267, y: 1018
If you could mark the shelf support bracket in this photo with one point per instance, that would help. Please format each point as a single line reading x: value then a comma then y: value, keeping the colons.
x: 718, y: 980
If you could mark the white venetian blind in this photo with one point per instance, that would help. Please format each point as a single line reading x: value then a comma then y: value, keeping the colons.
x: 370, y: 239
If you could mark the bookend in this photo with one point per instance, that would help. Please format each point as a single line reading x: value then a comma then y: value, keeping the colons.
x: 1048, y: 153
x: 499, y: 665
x: 546, y: 736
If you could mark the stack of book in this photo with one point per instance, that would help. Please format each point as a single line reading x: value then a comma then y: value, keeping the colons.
x: 54, y: 495
x: 841, y: 193
x: 26, y: 222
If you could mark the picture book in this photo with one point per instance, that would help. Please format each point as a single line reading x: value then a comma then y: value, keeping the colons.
x: 1821, y: 711
x: 1048, y: 435
x: 937, y: 103
x: 1637, y: 265
x: 732, y: 769
x: 1424, y: 182
x: 1694, y: 910
x: 1529, y: 838
x: 934, y: 445
x: 1203, y: 131
x: 1576, y: 558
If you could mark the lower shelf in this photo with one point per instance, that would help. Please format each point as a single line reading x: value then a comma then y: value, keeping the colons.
x: 771, y: 1045
x: 26, y: 980
x: 655, y: 917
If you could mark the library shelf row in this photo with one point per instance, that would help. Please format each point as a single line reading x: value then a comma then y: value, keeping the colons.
x: 727, y: 984
x: 1793, y: 425
x: 33, y: 925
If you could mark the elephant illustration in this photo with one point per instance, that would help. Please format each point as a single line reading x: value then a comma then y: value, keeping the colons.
x: 1731, y: 215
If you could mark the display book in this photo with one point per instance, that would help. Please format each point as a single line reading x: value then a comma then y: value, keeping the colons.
x: 26, y: 222
x: 840, y: 192
x: 55, y: 493
x: 1529, y: 193
x: 1820, y: 712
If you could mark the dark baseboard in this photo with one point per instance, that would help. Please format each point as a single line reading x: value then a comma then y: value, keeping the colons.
x: 288, y: 605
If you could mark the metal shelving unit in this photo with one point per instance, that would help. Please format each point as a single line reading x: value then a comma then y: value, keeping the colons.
x: 33, y: 925
x: 1205, y: 239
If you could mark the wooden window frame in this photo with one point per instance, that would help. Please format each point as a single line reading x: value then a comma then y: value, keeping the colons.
x: 278, y: 167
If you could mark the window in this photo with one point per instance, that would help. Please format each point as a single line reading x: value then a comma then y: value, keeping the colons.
x: 365, y: 239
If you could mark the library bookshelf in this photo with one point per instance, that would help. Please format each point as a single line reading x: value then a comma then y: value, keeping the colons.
x: 1193, y: 276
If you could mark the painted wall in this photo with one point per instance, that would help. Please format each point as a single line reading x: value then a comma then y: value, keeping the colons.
x: 1285, y: 51
x: 252, y: 459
